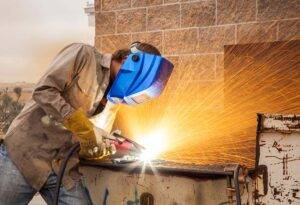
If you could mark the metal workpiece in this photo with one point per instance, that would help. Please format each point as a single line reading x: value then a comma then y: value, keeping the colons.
x: 278, y: 123
x: 275, y: 179
x: 167, y: 182
x: 113, y: 187
x: 168, y: 167
x: 278, y: 159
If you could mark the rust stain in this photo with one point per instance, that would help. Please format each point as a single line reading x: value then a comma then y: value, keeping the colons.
x: 293, y: 118
x: 277, y: 146
x: 294, y: 194
x: 285, y: 163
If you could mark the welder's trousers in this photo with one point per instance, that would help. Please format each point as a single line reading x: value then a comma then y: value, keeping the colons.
x: 15, y: 191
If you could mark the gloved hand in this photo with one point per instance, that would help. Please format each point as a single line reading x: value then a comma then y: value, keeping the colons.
x: 83, y: 129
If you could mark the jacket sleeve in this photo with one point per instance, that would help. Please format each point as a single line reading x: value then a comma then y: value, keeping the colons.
x: 48, y: 92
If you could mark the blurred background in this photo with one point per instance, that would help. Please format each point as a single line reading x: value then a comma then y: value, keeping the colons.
x: 32, y: 32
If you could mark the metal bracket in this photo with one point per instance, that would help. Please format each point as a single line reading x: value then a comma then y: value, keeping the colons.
x: 239, y: 177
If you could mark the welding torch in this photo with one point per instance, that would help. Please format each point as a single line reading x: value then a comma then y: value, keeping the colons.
x: 125, y: 145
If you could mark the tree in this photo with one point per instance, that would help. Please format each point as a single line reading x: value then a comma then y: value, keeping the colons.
x: 18, y: 92
x: 9, y: 108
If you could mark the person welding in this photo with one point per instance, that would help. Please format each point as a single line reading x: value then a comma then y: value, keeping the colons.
x: 76, y: 87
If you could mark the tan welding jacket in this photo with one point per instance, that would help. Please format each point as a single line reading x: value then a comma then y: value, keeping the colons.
x: 36, y: 140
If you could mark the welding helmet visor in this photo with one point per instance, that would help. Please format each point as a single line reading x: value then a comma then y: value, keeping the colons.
x: 142, y: 77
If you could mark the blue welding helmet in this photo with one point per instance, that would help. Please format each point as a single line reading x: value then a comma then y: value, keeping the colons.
x: 141, y: 78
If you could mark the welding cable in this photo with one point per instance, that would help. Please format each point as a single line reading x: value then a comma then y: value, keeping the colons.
x: 237, y: 184
x: 75, y: 148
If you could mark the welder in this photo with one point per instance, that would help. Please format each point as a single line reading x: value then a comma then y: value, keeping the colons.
x: 79, y: 84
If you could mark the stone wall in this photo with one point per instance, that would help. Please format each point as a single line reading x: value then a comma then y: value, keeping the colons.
x: 201, y: 28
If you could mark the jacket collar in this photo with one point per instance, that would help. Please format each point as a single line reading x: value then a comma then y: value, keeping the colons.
x: 105, y: 61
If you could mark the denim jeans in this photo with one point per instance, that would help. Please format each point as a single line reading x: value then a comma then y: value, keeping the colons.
x: 15, y: 191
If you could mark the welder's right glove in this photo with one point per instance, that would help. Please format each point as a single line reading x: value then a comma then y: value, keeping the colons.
x: 83, y: 129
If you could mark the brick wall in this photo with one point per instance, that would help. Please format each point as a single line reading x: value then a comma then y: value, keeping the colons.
x: 192, y: 33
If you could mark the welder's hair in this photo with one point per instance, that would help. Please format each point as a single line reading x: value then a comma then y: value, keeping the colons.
x: 148, y: 48
x: 121, y: 54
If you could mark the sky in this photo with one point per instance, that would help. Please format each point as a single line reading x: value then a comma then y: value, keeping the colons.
x: 33, y: 31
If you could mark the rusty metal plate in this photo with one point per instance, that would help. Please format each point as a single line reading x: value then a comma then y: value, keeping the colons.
x: 279, y: 151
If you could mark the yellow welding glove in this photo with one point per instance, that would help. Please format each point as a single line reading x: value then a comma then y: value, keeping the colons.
x: 83, y: 129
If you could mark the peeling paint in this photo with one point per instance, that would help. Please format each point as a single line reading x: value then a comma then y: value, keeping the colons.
x: 283, y: 123
x: 279, y: 151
